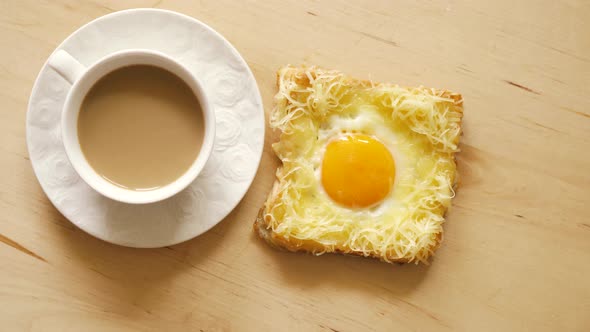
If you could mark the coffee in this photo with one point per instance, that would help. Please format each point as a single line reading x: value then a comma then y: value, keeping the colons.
x: 140, y: 127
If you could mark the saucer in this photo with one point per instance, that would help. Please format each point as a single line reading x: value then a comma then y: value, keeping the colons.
x: 234, y: 95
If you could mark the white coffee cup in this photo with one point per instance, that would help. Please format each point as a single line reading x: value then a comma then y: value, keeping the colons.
x: 83, y: 78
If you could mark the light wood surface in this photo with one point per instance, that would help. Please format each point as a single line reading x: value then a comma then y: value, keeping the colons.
x: 516, y: 254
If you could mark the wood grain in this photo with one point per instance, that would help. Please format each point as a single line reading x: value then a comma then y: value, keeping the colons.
x: 516, y: 254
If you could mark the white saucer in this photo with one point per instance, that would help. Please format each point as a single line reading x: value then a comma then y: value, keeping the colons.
x: 229, y: 84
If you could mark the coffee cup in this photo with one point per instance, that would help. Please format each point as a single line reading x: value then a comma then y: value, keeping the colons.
x: 82, y: 80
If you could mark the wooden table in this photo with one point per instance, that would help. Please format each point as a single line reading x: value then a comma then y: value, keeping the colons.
x: 516, y: 254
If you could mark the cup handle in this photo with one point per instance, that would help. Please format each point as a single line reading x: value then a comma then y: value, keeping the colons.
x: 66, y: 66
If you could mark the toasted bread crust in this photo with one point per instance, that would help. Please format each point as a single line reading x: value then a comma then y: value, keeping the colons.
x: 278, y: 241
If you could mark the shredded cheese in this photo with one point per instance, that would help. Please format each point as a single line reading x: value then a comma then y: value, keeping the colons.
x: 409, y: 226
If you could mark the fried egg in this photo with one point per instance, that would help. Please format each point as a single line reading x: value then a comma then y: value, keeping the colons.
x: 356, y: 160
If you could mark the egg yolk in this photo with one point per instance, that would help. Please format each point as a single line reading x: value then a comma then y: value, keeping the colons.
x: 357, y: 171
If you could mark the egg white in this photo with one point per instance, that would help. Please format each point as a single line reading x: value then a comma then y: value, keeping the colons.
x: 370, y: 122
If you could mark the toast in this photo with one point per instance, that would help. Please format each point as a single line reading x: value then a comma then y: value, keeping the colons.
x: 406, y: 226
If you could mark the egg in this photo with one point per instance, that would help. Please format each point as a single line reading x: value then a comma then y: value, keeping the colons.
x: 357, y: 171
x: 356, y: 160
x: 366, y: 169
